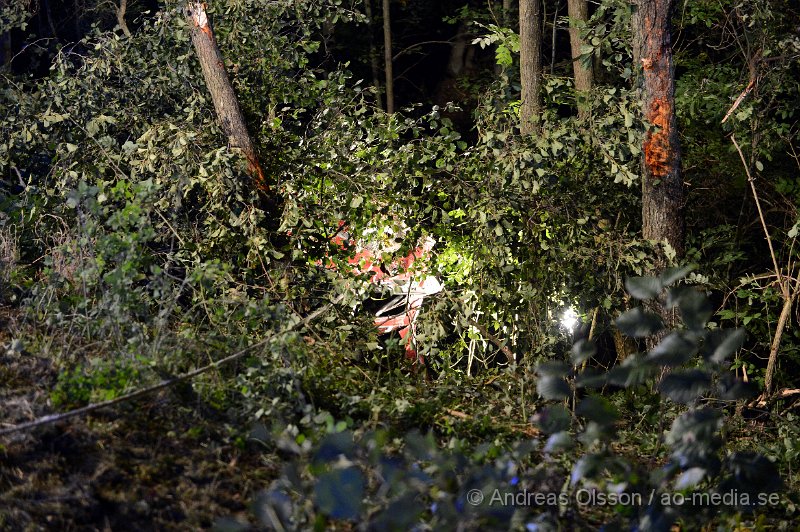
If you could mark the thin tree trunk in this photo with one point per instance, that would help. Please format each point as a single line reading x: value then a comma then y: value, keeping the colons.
x: 387, y: 56
x: 530, y: 58
x: 120, y: 10
x: 226, y: 105
x: 662, y: 184
x: 772, y: 362
x: 582, y: 72
x: 553, y: 36
x: 373, y: 53
x: 6, y: 46
x: 49, y: 14
x: 458, y: 51
x: 507, y: 13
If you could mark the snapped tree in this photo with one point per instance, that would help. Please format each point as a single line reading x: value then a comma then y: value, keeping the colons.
x: 229, y: 114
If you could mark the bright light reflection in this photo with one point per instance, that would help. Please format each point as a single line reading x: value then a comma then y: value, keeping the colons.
x: 569, y: 319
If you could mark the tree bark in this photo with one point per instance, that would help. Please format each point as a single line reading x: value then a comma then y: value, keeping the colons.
x: 120, y: 10
x: 579, y: 11
x: 530, y: 58
x: 226, y: 105
x: 662, y: 184
x: 387, y: 56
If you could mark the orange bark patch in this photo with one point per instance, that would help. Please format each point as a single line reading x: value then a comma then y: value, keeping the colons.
x: 257, y: 173
x: 657, y: 151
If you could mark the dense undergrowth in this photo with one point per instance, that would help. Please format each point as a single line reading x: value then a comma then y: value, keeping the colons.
x: 133, y: 249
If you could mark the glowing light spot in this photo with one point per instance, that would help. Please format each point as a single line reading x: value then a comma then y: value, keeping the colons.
x: 569, y: 319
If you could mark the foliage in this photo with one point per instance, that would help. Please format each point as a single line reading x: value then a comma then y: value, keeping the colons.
x: 382, y: 482
x: 133, y: 248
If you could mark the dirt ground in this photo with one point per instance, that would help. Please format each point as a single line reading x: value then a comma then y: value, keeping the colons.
x: 148, y: 465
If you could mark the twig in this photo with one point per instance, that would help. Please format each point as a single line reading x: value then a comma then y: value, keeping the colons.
x: 739, y: 100
x: 750, y: 180
x: 788, y: 292
x: 494, y: 339
x: 54, y: 418
x: 417, y: 45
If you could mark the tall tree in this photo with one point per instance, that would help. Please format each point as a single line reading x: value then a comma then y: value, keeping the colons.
x: 373, y: 53
x: 662, y: 183
x: 226, y: 105
x: 582, y: 72
x: 530, y: 59
x: 387, y: 56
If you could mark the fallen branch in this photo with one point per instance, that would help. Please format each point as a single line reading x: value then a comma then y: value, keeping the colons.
x: 740, y: 99
x: 495, y: 340
x: 54, y: 418
x: 789, y: 291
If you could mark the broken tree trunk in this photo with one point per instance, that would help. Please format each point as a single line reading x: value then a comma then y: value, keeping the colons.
x: 226, y: 105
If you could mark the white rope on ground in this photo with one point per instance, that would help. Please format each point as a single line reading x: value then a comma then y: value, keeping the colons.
x: 54, y: 418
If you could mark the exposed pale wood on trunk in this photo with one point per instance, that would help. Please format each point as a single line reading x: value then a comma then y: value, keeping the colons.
x: 226, y: 105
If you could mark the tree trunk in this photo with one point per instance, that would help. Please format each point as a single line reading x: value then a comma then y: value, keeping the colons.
x: 662, y: 184
x: 507, y: 13
x: 5, y: 38
x: 582, y: 72
x: 120, y: 12
x: 530, y: 59
x: 373, y: 53
x: 225, y: 103
x: 387, y: 56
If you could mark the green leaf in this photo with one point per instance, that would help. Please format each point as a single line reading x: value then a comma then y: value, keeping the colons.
x: 356, y: 202
x: 722, y: 343
x: 643, y: 287
x: 639, y: 324
x: 587, y: 466
x: 695, y: 309
x: 685, y: 387
x: 338, y: 493
x: 552, y: 388
x: 553, y: 419
x: 582, y: 351
x: 690, y: 478
x: 672, y: 275
x: 674, y: 350
x: 552, y: 368
x: 634, y: 370
x: 597, y: 409
x: 591, y: 378
x: 692, y: 429
x: 729, y: 388
x: 560, y: 441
